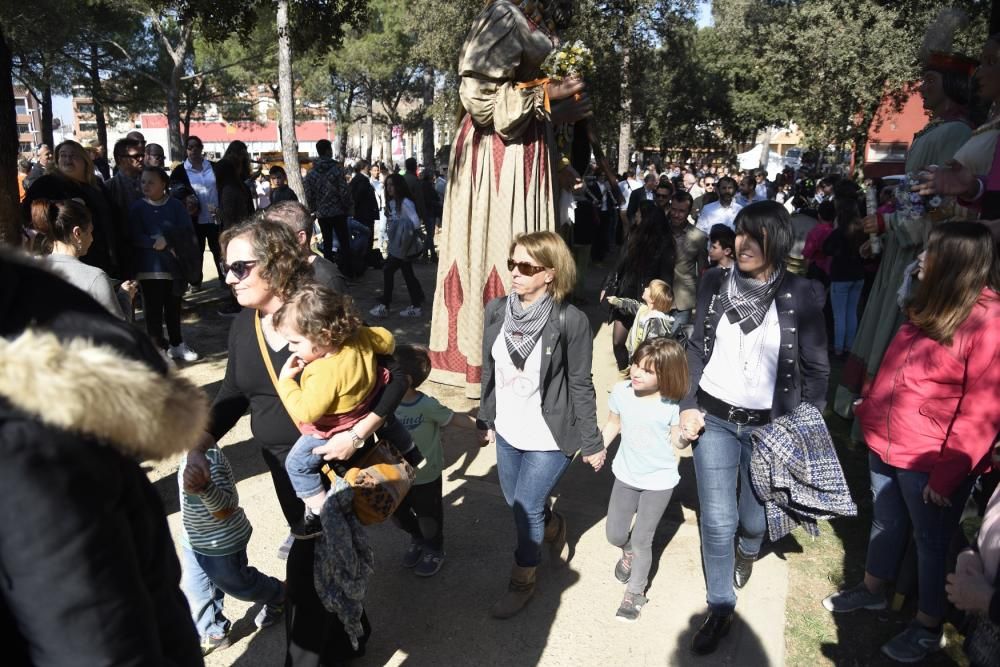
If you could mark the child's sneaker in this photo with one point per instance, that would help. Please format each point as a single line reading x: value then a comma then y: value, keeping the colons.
x: 413, y: 554
x: 411, y: 311
x: 623, y: 568
x: 628, y: 610
x: 269, y: 615
x: 308, y: 528
x: 429, y: 564
x: 379, y: 310
x: 183, y: 353
x: 211, y: 643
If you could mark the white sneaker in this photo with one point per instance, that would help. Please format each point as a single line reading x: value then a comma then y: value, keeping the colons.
x: 379, y: 311
x: 411, y: 311
x: 183, y: 352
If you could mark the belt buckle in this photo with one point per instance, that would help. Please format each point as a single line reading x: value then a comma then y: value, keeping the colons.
x: 739, y: 416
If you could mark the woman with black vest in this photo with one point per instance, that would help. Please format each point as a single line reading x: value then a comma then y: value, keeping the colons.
x: 763, y: 326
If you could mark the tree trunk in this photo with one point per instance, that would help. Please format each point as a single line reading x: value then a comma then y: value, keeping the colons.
x: 48, y: 135
x: 427, y: 149
x: 10, y: 214
x: 625, y: 128
x: 289, y: 144
x: 765, y: 151
x: 174, y: 122
x: 93, y: 72
x: 344, y: 123
x: 370, y: 125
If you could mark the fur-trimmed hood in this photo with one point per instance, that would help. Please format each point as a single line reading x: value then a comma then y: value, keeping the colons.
x: 78, y: 386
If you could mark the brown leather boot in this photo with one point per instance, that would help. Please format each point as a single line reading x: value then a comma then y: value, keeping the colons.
x: 519, y: 591
x: 555, y: 536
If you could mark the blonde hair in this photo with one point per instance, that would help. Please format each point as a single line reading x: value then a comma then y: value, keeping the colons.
x: 668, y: 359
x: 661, y: 295
x: 53, y: 167
x: 550, y: 251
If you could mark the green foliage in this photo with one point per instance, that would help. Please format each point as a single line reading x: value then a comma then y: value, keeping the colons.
x: 825, y: 64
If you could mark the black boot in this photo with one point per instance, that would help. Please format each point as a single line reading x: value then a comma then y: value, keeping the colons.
x: 715, y: 627
x: 743, y: 570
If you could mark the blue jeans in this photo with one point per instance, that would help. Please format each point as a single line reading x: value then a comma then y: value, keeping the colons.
x: 899, y: 511
x: 844, y: 297
x: 304, y: 467
x: 728, y: 506
x: 527, y: 478
x: 682, y: 322
x: 206, y: 580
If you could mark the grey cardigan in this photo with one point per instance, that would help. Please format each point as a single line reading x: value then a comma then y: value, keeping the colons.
x: 569, y: 405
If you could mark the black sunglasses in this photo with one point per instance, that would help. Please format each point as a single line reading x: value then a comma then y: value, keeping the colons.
x: 240, y: 268
x: 524, y: 268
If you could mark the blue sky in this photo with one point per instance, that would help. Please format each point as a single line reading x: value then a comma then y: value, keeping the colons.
x: 705, y: 13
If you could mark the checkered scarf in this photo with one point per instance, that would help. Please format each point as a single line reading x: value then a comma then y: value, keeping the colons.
x: 745, y: 300
x: 795, y: 472
x: 523, y: 327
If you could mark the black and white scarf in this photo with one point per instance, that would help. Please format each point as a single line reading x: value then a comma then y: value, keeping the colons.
x: 523, y: 327
x: 745, y: 300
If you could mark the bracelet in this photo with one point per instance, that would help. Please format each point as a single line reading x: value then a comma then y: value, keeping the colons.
x: 356, y: 440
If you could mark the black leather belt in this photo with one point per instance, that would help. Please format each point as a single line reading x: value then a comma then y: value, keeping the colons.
x: 731, y: 413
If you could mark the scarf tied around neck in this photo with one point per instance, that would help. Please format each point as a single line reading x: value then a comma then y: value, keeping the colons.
x: 522, y: 327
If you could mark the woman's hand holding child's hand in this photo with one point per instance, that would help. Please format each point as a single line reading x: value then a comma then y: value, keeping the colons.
x: 160, y: 243
x: 293, y: 366
x: 692, y: 423
x: 196, y: 478
x: 596, y: 460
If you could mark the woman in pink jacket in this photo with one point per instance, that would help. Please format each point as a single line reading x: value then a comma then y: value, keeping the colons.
x: 930, y: 419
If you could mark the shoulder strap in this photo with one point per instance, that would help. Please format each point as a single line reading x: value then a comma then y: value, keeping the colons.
x: 263, y: 350
x: 562, y: 335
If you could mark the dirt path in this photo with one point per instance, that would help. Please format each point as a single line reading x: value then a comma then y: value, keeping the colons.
x: 444, y: 620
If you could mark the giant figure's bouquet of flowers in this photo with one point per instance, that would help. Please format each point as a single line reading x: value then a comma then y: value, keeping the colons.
x: 572, y: 59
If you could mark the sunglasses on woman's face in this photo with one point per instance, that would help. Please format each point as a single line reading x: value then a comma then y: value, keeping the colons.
x: 240, y: 268
x: 524, y: 268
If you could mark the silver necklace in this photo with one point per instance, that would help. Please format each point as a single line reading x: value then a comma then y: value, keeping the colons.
x: 751, y: 360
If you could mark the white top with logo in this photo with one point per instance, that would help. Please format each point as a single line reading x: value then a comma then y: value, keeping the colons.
x: 519, y: 399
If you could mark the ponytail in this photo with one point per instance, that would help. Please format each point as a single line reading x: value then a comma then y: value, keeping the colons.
x: 56, y: 220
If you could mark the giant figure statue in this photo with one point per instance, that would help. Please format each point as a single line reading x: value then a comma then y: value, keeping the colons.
x: 501, y: 172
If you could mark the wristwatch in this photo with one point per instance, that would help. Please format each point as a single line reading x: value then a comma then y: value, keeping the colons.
x: 356, y: 440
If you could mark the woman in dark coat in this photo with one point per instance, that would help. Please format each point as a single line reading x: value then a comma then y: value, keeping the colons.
x: 90, y: 574
x: 757, y: 351
x: 71, y: 176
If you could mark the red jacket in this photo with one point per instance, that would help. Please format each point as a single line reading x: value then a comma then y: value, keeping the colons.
x: 935, y: 408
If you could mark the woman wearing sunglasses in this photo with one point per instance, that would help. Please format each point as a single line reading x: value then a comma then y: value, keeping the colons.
x: 264, y: 266
x: 538, y: 403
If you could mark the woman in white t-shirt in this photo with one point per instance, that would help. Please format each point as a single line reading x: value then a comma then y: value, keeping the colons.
x: 538, y: 403
x: 758, y: 350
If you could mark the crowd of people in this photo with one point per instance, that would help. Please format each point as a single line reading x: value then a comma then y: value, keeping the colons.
x: 728, y: 295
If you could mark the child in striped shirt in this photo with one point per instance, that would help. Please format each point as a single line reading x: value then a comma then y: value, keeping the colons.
x: 214, y: 552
